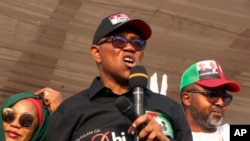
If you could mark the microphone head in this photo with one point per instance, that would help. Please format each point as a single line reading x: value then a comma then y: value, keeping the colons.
x: 138, y: 77
x: 126, y: 107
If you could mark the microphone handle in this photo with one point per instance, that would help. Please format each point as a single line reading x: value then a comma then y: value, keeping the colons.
x: 138, y: 106
x: 138, y: 100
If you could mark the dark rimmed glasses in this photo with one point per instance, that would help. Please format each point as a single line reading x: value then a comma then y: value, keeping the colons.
x: 213, y: 96
x: 121, y: 42
x: 9, y: 115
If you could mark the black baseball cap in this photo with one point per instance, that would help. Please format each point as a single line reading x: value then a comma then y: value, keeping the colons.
x: 118, y: 20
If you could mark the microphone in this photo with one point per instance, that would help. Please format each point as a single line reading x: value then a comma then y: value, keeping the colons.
x: 126, y: 107
x: 138, y: 79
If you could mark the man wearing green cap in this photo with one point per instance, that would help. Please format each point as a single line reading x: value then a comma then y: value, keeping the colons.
x: 205, y: 99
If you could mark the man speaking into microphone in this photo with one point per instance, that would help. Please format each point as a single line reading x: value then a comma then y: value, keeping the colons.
x: 93, y: 114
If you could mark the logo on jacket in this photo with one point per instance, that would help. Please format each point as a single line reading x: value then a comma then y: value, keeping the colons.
x: 163, y: 121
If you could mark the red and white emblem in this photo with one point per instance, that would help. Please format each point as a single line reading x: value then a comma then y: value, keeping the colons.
x: 118, y: 18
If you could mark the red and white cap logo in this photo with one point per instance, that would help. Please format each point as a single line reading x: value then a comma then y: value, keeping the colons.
x: 118, y: 18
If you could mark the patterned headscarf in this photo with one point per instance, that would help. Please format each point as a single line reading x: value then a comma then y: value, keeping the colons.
x: 41, y: 132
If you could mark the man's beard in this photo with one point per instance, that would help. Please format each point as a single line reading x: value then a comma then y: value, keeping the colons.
x: 209, y: 121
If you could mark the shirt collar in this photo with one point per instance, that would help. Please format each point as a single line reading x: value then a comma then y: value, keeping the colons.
x: 98, y: 89
x: 95, y: 87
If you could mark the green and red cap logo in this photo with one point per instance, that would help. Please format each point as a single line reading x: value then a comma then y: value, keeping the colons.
x: 207, y: 73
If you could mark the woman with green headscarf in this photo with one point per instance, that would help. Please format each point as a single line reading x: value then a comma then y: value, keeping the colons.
x: 25, y: 117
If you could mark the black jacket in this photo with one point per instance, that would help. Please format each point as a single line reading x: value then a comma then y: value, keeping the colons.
x: 91, y: 115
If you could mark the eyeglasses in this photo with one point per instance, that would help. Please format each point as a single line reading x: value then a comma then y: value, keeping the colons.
x: 213, y: 96
x: 121, y: 42
x: 9, y: 116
